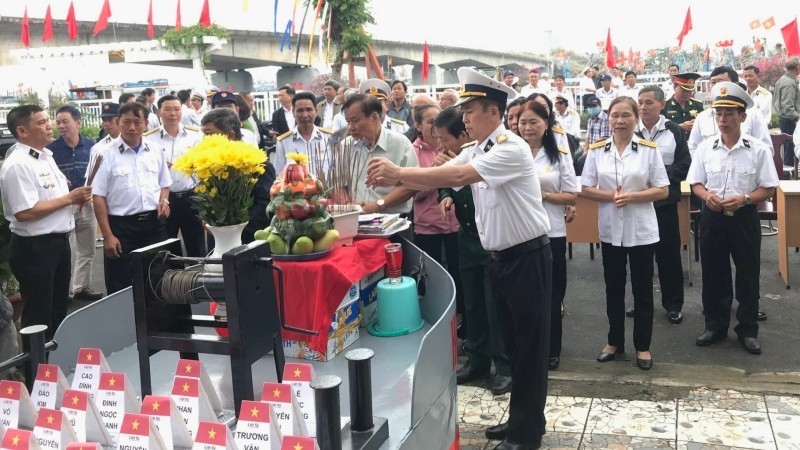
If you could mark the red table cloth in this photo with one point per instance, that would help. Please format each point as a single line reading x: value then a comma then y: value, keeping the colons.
x: 313, y: 290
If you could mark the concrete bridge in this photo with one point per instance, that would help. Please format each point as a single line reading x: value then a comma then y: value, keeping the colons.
x: 245, y: 49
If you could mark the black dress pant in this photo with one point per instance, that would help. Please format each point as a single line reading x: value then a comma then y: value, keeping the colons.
x: 133, y: 232
x: 183, y: 217
x: 433, y: 245
x: 668, y: 257
x: 787, y: 126
x: 615, y: 260
x: 522, y: 289
x: 722, y: 238
x: 558, y: 245
x: 42, y: 266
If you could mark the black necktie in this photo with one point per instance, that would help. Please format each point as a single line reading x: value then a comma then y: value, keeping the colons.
x: 488, y: 146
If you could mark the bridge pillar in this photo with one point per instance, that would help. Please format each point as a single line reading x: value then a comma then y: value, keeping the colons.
x: 297, y: 77
x: 449, y: 76
x: 233, y: 80
x: 433, y: 75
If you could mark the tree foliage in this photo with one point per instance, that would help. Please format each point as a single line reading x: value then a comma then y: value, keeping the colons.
x: 188, y: 39
x: 349, y: 38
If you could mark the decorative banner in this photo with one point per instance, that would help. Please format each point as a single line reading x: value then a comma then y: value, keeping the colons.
x: 72, y: 23
x: 299, y: 443
x: 609, y: 50
x: 91, y: 363
x: 426, y: 60
x: 257, y: 428
x: 114, y: 398
x: 25, y: 32
x: 178, y: 25
x: 150, y: 27
x: 52, y: 430
x: 284, y: 404
x: 687, y: 26
x: 790, y: 38
x: 15, y: 439
x: 16, y: 407
x: 47, y: 34
x: 287, y: 38
x: 191, y: 400
x: 191, y: 368
x: 214, y: 436
x: 49, y: 386
x: 138, y: 433
x: 205, y: 15
x: 102, y: 21
x: 168, y: 420
x: 299, y: 376
x: 85, y: 418
x: 275, y: 19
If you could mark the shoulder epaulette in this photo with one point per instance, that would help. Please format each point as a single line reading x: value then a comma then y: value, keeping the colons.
x: 573, y: 112
x: 469, y: 144
x: 502, y: 138
x: 597, y: 144
x: 647, y: 143
x: 558, y: 129
x: 192, y: 127
x: 563, y: 150
x: 149, y: 132
x: 397, y: 120
x: 284, y: 135
x: 325, y: 130
x: 762, y: 90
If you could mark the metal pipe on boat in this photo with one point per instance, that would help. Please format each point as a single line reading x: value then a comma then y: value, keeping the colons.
x: 359, y: 370
x: 328, y: 408
x: 33, y: 345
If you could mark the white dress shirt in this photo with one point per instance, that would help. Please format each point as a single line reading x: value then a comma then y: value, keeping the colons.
x: 508, y: 202
x: 131, y: 182
x: 327, y: 115
x: 289, y: 115
x: 661, y: 136
x: 295, y: 143
x: 763, y: 102
x: 638, y: 168
x: 736, y: 171
x: 189, y: 116
x: 249, y: 137
x: 627, y: 91
x: 570, y: 121
x: 705, y: 126
x: 174, y: 148
x: 26, y: 178
x: 606, y: 96
x: 554, y: 178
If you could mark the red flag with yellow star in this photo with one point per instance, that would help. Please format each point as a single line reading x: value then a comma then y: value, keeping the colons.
x: 15, y: 439
x: 136, y: 424
x: 188, y: 387
x: 50, y: 418
x: 299, y: 443
x: 212, y: 433
x: 276, y: 392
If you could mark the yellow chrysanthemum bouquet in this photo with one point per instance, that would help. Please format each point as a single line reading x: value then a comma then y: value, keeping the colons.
x: 225, y: 172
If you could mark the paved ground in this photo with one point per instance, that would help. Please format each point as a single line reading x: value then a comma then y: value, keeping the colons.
x: 712, y: 398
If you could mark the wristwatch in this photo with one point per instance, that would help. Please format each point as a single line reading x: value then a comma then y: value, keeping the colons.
x: 747, y: 200
x: 381, y: 204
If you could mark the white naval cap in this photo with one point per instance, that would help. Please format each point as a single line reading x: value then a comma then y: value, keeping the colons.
x: 477, y: 85
x: 375, y: 87
x: 726, y: 94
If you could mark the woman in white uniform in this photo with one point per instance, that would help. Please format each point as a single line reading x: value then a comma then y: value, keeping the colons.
x: 625, y: 175
x: 559, y: 189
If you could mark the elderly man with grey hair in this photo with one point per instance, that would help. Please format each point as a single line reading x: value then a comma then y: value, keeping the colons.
x: 449, y: 97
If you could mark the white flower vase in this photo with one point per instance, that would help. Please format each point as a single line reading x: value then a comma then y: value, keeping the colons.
x: 225, y: 239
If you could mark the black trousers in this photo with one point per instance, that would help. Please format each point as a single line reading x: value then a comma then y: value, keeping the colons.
x: 615, y: 260
x: 668, y: 258
x: 433, y: 245
x: 522, y: 289
x: 183, y: 217
x: 787, y: 126
x: 722, y: 238
x: 133, y: 232
x: 558, y: 245
x: 42, y: 266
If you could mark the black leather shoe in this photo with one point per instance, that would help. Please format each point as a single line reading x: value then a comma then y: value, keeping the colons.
x: 644, y: 364
x: 751, y: 345
x: 554, y: 363
x: 630, y: 312
x: 497, y: 432
x: 511, y: 445
x: 469, y: 373
x: 710, y: 337
x: 500, y: 385
x: 761, y: 316
x: 675, y: 317
x: 87, y: 295
x: 606, y: 357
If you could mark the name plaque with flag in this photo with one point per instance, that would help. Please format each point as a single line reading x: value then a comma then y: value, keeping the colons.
x: 284, y: 404
x: 15, y: 439
x: 114, y: 398
x: 191, y: 400
x: 53, y: 430
x: 49, y: 386
x: 84, y: 417
x: 168, y: 420
x: 91, y: 363
x: 299, y: 376
x: 257, y: 427
x: 16, y: 408
x: 138, y: 433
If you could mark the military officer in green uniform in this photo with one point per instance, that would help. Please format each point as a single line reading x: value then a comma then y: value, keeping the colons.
x: 484, y: 343
x: 682, y: 108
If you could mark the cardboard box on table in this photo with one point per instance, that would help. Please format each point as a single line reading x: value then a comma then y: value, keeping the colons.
x: 368, y: 296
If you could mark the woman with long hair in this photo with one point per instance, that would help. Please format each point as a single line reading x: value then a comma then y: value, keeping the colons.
x: 625, y: 175
x: 559, y: 188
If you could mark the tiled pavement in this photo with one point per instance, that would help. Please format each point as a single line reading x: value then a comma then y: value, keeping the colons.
x: 704, y: 420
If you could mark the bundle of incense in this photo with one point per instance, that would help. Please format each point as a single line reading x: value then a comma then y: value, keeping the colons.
x: 95, y: 166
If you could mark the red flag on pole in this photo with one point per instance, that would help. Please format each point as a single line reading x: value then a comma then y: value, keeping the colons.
x: 25, y: 33
x: 205, y: 15
x: 72, y: 24
x: 790, y: 37
x: 426, y: 60
x: 102, y: 21
x: 150, y: 30
x: 48, y: 26
x: 687, y: 26
x: 609, y: 51
x: 178, y: 25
